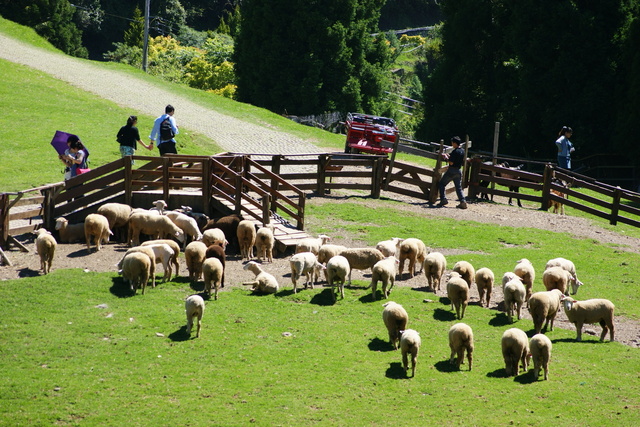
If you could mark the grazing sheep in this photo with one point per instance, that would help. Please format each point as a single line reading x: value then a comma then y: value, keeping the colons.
x: 525, y: 271
x: 118, y: 216
x: 570, y: 267
x: 303, y: 264
x: 158, y: 253
x: 410, y: 344
x: 361, y: 258
x: 173, y: 245
x: 559, y: 277
x: 264, y: 283
x: 96, y: 226
x: 215, y: 251
x: 194, y: 307
x: 246, y: 238
x: 311, y: 244
x: 458, y: 293
x: 466, y: 271
x: 540, y: 347
x: 201, y: 219
x: 212, y: 272
x: 69, y: 233
x: 265, y: 242
x: 543, y: 307
x: 515, y: 349
x: 229, y: 226
x: 395, y: 318
x: 156, y: 226
x: 415, y: 251
x: 214, y: 236
x: 514, y: 295
x: 337, y: 271
x: 590, y: 311
x: 385, y: 271
x: 507, y: 277
x: 484, y: 282
x: 460, y: 339
x: 434, y: 266
x: 389, y: 247
x: 46, y: 248
x: 194, y: 256
x: 136, y: 269
x: 328, y: 251
x: 188, y: 225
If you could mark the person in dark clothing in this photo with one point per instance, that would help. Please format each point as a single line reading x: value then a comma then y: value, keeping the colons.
x: 456, y: 162
x: 128, y: 137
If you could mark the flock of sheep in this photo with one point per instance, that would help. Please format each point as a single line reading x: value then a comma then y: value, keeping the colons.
x: 209, y: 240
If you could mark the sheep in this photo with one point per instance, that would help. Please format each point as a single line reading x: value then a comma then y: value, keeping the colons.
x: 514, y: 296
x: 96, y: 226
x: 311, y: 244
x: 46, y: 247
x: 159, y: 206
x: 461, y: 339
x: 215, y: 251
x: 540, y: 348
x: 265, y: 241
x: 188, y: 225
x: 264, y: 282
x: 590, y: 311
x: 458, y: 293
x: 201, y: 219
x: 118, y: 216
x: 515, y: 349
x: 173, y: 245
x: 328, y: 251
x: 136, y: 269
x: 246, y: 238
x: 543, y: 307
x: 214, y: 236
x: 69, y: 233
x: 212, y: 272
x: 434, y: 266
x: 229, y: 226
x: 525, y: 271
x: 361, y: 258
x: 303, y: 264
x: 507, y: 277
x: 410, y: 344
x: 337, y: 271
x: 194, y: 307
x: 157, y: 253
x: 395, y: 318
x: 385, y: 271
x: 484, y: 282
x: 194, y: 256
x: 570, y: 267
x: 415, y: 251
x: 156, y: 226
x: 389, y: 247
x: 557, y: 278
x: 466, y: 271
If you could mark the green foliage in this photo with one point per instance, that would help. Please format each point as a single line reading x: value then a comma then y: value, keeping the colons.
x: 134, y: 36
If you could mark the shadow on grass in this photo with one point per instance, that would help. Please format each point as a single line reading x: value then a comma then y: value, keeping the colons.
x: 500, y: 319
x: 368, y: 298
x: 573, y: 340
x: 323, y: 298
x: 396, y: 371
x: 376, y: 344
x: 443, y: 315
x: 498, y: 373
x: 445, y: 366
x: 526, y: 378
x: 120, y: 288
x: 285, y: 293
x: 180, y: 335
x: 424, y: 289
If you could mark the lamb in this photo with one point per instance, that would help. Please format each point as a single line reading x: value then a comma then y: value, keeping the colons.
x: 229, y: 226
x: 590, y: 311
x: 265, y: 241
x: 96, y: 226
x: 515, y: 349
x: 484, y: 282
x: 136, y: 269
x: 410, y: 344
x: 466, y: 271
x: 514, y: 295
x: 214, y: 236
x: 458, y: 293
x: 69, y: 233
x: 540, y: 347
x: 246, y: 238
x: 389, y: 247
x: 118, y: 216
x: 159, y: 206
x: 385, y: 271
x: 361, y: 258
x: 461, y: 339
x: 264, y: 282
x: 570, y: 267
x: 543, y: 307
x: 215, y: 251
x: 173, y: 245
x: 212, y: 271
x: 311, y: 244
x: 188, y: 225
x: 434, y: 266
x: 337, y: 271
x: 507, y: 277
x: 525, y: 271
x: 46, y: 247
x: 156, y: 226
x: 194, y: 307
x: 415, y: 251
x: 194, y: 256
x: 395, y: 318
x: 201, y: 219
x: 303, y: 264
x: 328, y: 251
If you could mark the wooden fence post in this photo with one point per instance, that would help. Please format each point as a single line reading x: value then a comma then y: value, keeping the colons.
x: 128, y: 176
x: 376, y: 177
x: 166, y: 163
x: 206, y: 186
x: 546, y: 186
x: 266, y: 213
x: 615, y: 206
x: 4, y: 220
x: 323, y: 160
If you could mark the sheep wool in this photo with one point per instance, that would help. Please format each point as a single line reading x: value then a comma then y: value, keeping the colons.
x: 466, y: 271
x: 246, y: 238
x: 69, y: 233
x: 46, y: 247
x: 337, y: 271
x: 96, y: 226
x: 395, y: 318
x: 410, y: 345
x: 460, y: 339
x: 173, y: 245
x: 543, y: 307
x: 194, y: 308
x: 570, y: 267
x: 212, y: 271
x: 590, y: 311
x: 458, y: 294
x: 484, y: 282
x: 384, y: 271
x: 265, y: 242
x: 415, y: 251
x: 515, y: 350
x: 434, y: 266
x: 540, y: 347
x: 194, y: 256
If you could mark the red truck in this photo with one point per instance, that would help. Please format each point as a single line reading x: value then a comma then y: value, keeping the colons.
x: 364, y: 133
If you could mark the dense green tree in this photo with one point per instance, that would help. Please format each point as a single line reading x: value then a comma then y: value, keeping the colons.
x: 134, y: 35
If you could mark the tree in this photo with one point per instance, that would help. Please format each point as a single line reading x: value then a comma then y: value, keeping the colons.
x: 134, y: 35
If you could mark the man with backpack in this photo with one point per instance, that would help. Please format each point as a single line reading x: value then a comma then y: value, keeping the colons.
x: 163, y: 132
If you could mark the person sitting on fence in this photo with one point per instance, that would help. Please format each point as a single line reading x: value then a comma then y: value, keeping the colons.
x: 75, y: 157
x: 453, y: 173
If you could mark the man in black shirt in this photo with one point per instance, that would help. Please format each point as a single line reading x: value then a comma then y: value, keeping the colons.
x: 456, y: 161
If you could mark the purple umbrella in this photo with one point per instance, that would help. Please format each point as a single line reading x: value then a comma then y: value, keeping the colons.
x: 59, y: 142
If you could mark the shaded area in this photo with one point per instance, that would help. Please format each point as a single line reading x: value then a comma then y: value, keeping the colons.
x: 443, y: 315
x: 396, y: 371
x: 446, y: 366
x: 377, y: 344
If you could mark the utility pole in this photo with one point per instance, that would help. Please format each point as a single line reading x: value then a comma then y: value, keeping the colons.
x: 145, y: 47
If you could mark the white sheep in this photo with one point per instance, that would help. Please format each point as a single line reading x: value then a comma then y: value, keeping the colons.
x: 214, y: 236
x: 395, y: 318
x: 570, y: 267
x: 458, y: 293
x: 434, y: 266
x: 194, y: 308
x: 543, y: 307
x: 187, y: 224
x: 361, y: 258
x: 514, y: 296
x: 466, y: 271
x: 159, y: 206
x: 201, y: 218
x: 527, y: 274
x: 590, y: 311
x: 136, y: 269
x: 303, y: 264
x: 311, y: 244
x: 156, y: 226
x: 246, y: 238
x: 515, y: 349
x: 337, y: 271
x: 540, y: 348
x: 507, y: 277
x: 96, y: 226
x: 559, y: 278
x: 46, y: 248
x: 118, y: 216
x: 264, y: 282
x: 212, y: 271
x: 265, y: 242
x: 410, y: 344
x: 69, y: 233
x: 484, y: 281
x: 159, y: 253
x: 194, y: 256
x: 384, y: 270
x: 173, y: 245
x: 415, y: 251
x: 389, y: 247
x: 328, y: 251
x: 460, y: 339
